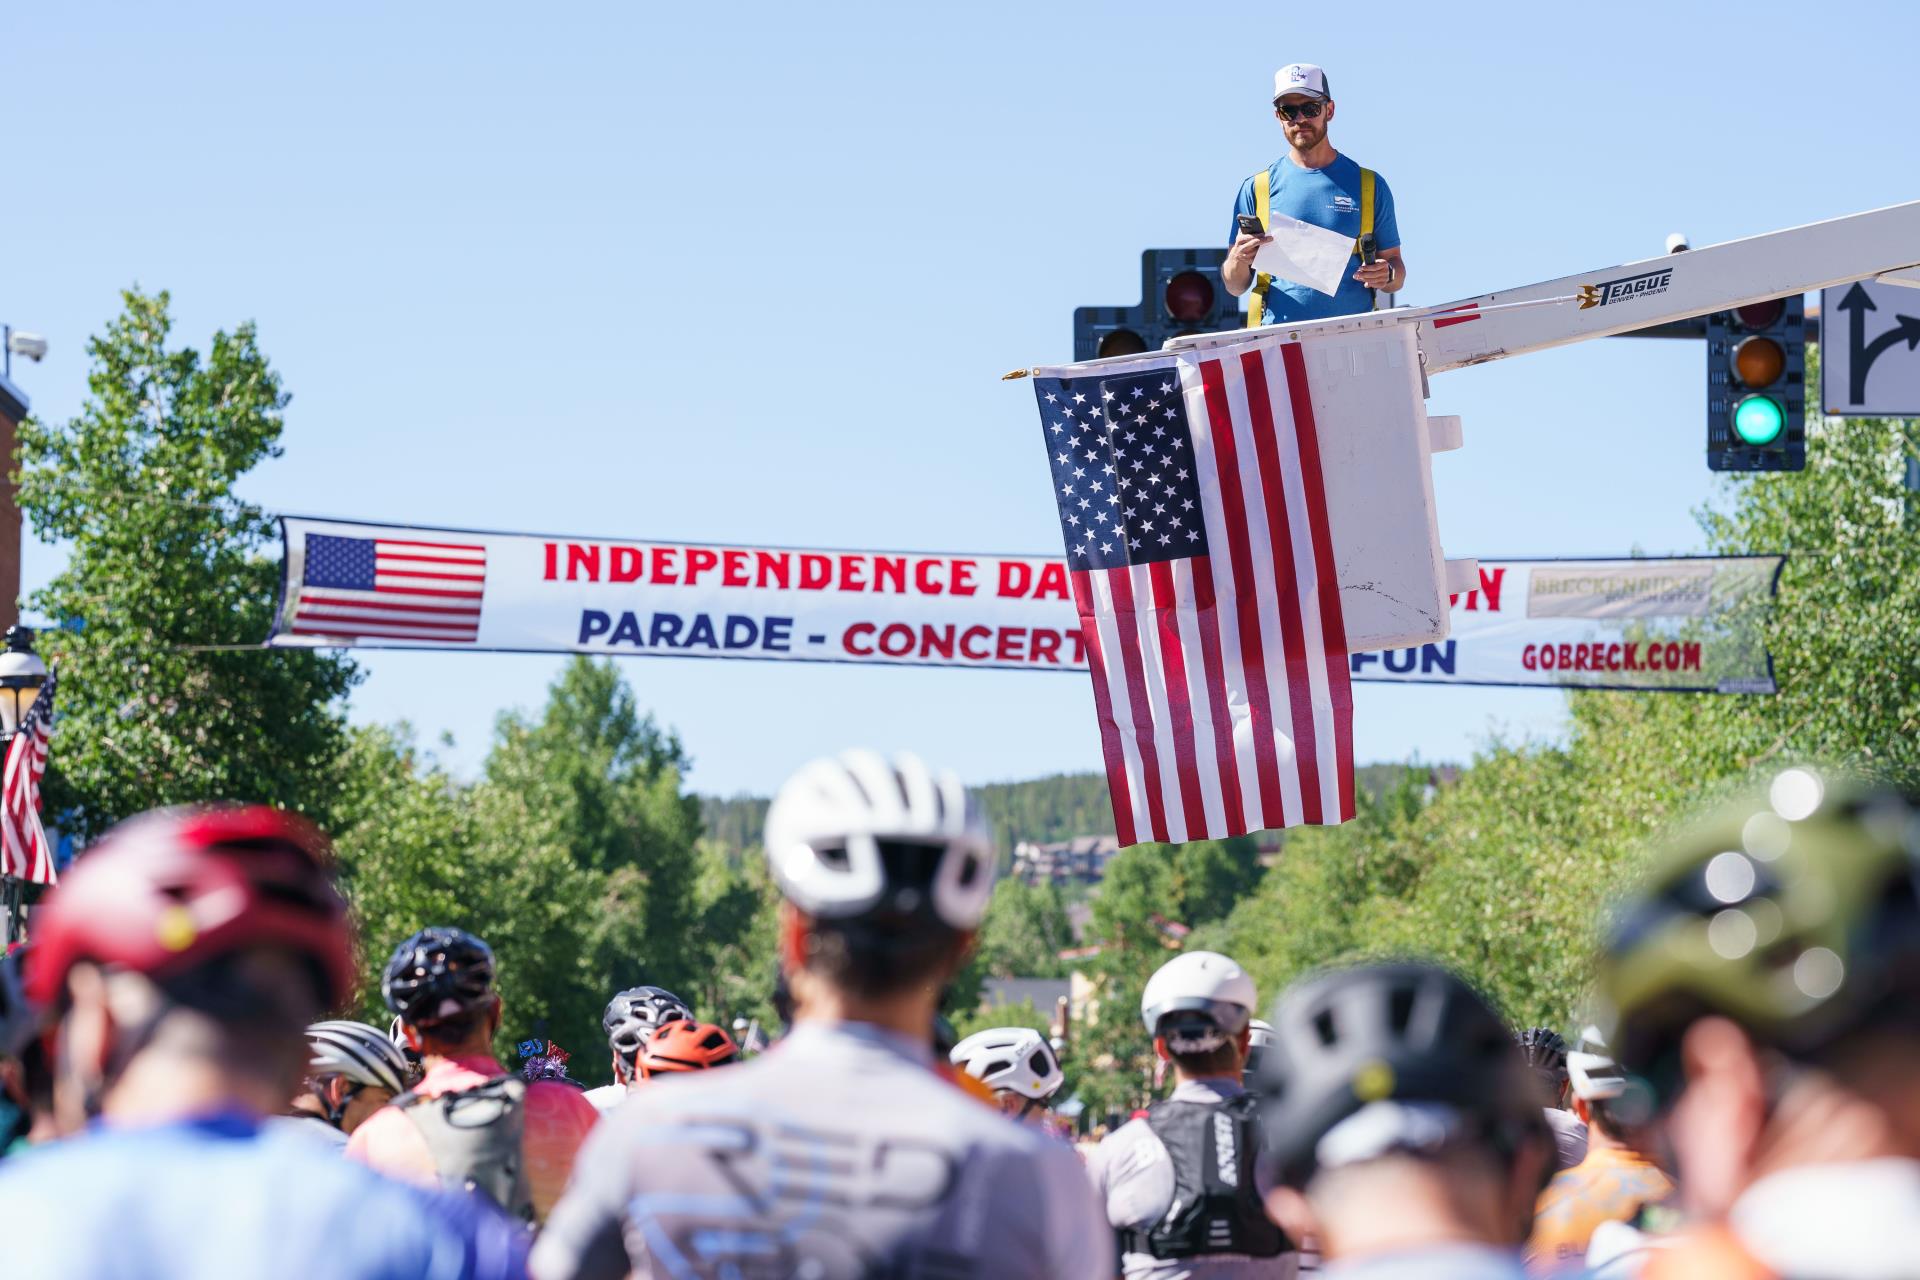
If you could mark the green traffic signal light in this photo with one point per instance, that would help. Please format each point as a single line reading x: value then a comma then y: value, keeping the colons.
x: 1759, y: 420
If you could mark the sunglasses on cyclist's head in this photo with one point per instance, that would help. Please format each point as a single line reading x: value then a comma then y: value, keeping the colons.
x: 1291, y: 111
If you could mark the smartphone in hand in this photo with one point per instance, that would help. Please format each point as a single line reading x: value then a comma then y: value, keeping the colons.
x: 1250, y: 226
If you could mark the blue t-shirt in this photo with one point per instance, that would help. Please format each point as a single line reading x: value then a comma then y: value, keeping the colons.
x: 1329, y: 198
x: 220, y: 1197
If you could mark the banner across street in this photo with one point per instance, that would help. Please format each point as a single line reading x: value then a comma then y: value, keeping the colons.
x: 1685, y: 624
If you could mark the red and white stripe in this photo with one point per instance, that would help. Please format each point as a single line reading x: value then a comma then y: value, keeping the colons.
x: 422, y: 591
x: 1221, y: 681
x: 24, y: 851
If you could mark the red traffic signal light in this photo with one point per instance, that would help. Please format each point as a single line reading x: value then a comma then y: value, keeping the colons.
x: 1760, y: 315
x: 1189, y: 297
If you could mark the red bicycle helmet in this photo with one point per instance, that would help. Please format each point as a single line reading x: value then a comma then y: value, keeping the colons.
x: 170, y: 890
x: 687, y: 1046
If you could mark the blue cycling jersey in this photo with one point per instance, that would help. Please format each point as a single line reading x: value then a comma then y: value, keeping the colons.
x: 220, y: 1196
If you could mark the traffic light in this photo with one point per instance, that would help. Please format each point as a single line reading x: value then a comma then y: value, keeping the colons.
x: 1756, y: 387
x: 1180, y: 293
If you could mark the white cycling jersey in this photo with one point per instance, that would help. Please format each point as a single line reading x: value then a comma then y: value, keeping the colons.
x: 608, y: 1096
x: 837, y: 1154
x: 1857, y: 1220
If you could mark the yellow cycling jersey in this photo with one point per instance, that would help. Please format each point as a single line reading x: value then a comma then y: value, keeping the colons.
x: 1611, y: 1185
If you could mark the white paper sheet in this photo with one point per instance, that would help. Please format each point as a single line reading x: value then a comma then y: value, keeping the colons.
x: 1305, y: 254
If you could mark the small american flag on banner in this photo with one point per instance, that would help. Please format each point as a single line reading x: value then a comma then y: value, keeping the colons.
x: 24, y: 852
x: 390, y: 589
x: 1195, y: 520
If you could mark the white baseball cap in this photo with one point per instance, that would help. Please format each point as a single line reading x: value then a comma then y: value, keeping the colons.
x: 1300, y: 77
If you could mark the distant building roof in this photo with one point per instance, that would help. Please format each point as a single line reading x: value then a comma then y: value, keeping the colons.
x: 1041, y: 992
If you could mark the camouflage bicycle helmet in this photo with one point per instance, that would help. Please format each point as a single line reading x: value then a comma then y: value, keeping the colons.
x: 636, y: 1015
x: 1795, y: 912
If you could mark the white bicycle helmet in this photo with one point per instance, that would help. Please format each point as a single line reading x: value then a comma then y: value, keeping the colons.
x: 1017, y: 1059
x: 843, y: 834
x: 1259, y: 1040
x: 1591, y: 1069
x: 356, y: 1051
x: 1206, y: 985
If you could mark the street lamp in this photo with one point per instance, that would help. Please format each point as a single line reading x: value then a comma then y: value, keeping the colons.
x: 21, y: 675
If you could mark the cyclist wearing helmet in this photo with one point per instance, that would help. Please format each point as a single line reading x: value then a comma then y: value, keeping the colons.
x: 1179, y: 1183
x: 1615, y: 1182
x: 1016, y: 1063
x: 1764, y: 988
x: 353, y: 1072
x: 1546, y: 1052
x: 1403, y: 1128
x: 183, y: 957
x: 631, y: 1019
x: 1259, y: 1037
x: 840, y: 1152
x: 26, y: 1079
x: 469, y: 1123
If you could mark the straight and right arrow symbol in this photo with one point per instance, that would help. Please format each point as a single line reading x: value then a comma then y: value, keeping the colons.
x: 1860, y: 353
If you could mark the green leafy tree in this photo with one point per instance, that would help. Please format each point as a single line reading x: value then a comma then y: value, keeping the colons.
x: 1025, y: 930
x: 1128, y: 925
x: 164, y: 559
x: 737, y: 939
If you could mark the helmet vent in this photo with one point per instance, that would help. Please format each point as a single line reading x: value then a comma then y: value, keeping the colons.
x: 834, y: 856
x: 1038, y: 1064
x: 1323, y: 1027
x: 1400, y: 1010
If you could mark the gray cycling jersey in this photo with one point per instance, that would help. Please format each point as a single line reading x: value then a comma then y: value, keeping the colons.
x: 1569, y: 1138
x: 1437, y: 1262
x: 1133, y: 1174
x: 837, y: 1154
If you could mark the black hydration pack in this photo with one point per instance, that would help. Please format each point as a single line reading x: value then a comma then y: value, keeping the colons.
x: 474, y: 1136
x: 1216, y: 1206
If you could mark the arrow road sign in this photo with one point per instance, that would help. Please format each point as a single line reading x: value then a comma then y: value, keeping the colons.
x: 1870, y: 366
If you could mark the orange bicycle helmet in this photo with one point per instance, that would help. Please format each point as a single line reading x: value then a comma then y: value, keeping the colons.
x: 687, y: 1046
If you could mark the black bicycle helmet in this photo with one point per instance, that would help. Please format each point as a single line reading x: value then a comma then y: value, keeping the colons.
x: 632, y: 1017
x: 436, y: 974
x: 1388, y: 1032
x: 1546, y: 1052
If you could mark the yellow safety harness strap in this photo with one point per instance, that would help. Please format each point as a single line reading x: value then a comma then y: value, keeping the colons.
x: 1366, y: 222
x: 1263, y: 210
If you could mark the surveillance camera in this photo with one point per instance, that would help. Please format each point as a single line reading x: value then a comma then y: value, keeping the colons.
x: 31, y: 345
x: 1677, y: 242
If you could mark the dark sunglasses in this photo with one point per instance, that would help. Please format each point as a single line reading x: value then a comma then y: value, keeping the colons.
x: 1292, y: 111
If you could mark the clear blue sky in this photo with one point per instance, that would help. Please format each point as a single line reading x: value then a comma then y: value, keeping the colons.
x: 750, y: 272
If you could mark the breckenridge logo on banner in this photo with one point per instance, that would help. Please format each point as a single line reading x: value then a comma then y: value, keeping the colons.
x: 1682, y: 624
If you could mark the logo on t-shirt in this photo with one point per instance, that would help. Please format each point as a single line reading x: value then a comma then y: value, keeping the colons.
x: 1344, y: 203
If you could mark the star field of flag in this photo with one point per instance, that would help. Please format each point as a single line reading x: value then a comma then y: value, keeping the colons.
x: 1124, y: 477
